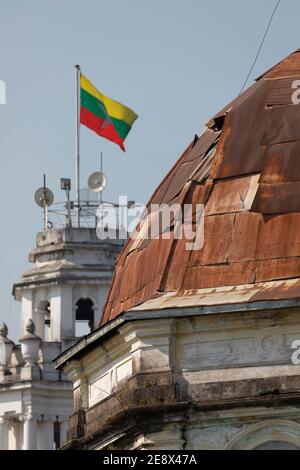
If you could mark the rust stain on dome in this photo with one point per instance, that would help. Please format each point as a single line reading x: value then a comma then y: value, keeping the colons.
x: 245, y: 169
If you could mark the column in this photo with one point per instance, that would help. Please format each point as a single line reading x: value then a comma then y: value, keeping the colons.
x: 151, y: 345
x: 17, y: 432
x: 26, y: 310
x: 46, y: 440
x: 30, y: 433
x: 61, y: 313
x: 12, y: 435
x: 64, y: 427
x: 39, y: 321
x: 3, y: 434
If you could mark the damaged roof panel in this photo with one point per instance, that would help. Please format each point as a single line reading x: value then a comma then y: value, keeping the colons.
x: 202, y: 145
x: 239, y: 150
x: 232, y: 195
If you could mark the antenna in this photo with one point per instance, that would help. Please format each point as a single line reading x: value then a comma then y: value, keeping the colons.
x: 44, y: 198
x: 65, y: 185
x: 97, y: 182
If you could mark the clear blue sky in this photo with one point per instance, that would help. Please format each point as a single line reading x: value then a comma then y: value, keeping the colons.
x: 174, y: 62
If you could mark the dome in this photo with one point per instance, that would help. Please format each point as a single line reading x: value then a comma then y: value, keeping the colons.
x: 245, y: 170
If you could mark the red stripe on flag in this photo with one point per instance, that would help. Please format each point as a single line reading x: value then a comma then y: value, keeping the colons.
x: 96, y: 124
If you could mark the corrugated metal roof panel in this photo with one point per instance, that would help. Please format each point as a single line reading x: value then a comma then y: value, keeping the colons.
x: 230, y: 195
x: 259, y: 237
x: 216, y: 249
x: 274, y: 290
x: 277, y: 198
x: 282, y: 268
x: 282, y: 91
x: 219, y: 275
x: 282, y: 163
x: 282, y: 125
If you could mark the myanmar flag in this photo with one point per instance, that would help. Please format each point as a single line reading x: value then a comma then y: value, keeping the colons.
x: 103, y: 115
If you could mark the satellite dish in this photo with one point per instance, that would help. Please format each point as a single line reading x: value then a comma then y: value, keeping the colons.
x: 97, y: 182
x: 44, y: 197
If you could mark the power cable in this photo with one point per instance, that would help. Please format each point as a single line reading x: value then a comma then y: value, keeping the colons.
x: 260, y: 46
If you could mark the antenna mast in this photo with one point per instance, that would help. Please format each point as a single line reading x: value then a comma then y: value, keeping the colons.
x: 44, y: 198
x: 101, y: 171
x: 45, y: 205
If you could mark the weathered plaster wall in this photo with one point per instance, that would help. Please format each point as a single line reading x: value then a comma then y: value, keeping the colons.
x: 223, y: 365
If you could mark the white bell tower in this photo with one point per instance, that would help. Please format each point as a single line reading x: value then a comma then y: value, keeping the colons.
x: 61, y: 297
x: 65, y: 290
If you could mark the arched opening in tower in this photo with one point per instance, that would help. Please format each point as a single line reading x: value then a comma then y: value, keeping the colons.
x: 84, y: 317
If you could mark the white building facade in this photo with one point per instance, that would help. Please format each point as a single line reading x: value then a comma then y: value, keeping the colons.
x: 61, y: 300
x: 176, y: 373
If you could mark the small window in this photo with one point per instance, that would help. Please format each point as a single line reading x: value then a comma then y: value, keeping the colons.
x: 84, y: 317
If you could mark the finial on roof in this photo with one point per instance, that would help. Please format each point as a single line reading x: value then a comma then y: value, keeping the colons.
x: 30, y: 326
x: 3, y: 330
x: 30, y: 344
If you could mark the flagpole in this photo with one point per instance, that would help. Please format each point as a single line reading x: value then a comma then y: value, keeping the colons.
x: 101, y: 170
x: 77, y: 142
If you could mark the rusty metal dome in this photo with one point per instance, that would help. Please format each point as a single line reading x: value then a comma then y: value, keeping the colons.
x: 245, y: 169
